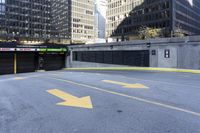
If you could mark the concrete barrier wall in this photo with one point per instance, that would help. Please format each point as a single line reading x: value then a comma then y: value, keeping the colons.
x: 189, y: 56
x: 78, y: 64
x: 183, y: 52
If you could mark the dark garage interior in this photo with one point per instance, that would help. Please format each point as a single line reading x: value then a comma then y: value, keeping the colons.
x: 15, y: 58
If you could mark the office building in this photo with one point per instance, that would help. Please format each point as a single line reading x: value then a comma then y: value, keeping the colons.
x: 25, y: 20
x: 125, y: 17
x: 62, y: 21
x: 73, y: 20
x: 100, y: 17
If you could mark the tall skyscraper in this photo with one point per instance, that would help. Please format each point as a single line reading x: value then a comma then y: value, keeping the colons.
x: 62, y: 21
x: 100, y: 17
x: 25, y: 20
x: 125, y: 17
x: 186, y: 14
x: 74, y: 20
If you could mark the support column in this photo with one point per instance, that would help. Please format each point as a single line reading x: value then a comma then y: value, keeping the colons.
x: 15, y: 63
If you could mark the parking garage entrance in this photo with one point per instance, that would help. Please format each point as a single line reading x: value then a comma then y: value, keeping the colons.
x: 15, y: 58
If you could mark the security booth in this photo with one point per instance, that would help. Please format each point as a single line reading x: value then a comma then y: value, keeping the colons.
x: 16, y: 58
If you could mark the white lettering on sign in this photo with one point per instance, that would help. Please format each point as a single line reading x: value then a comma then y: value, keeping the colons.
x: 25, y: 49
x: 7, y: 49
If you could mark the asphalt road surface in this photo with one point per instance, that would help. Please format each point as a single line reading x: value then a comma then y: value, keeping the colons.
x: 100, y: 102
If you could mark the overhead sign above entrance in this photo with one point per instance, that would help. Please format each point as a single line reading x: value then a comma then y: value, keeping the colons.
x: 7, y: 49
x: 25, y: 49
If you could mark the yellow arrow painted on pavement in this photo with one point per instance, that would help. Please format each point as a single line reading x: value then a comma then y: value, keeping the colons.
x: 70, y: 100
x: 126, y: 85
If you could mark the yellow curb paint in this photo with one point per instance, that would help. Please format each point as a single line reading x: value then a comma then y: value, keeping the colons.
x: 70, y: 100
x: 126, y: 85
x: 140, y: 69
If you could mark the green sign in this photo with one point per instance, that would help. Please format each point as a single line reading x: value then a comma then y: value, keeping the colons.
x: 56, y: 50
x: 52, y: 49
x: 42, y: 49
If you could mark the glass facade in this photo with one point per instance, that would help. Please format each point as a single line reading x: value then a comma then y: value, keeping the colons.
x: 60, y: 10
x: 125, y: 17
x: 188, y: 16
x: 27, y: 19
x: 56, y: 20
x: 2, y: 17
x: 2, y: 7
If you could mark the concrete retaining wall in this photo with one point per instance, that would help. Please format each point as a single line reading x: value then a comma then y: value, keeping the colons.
x: 183, y: 52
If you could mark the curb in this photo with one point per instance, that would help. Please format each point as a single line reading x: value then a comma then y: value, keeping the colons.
x: 140, y: 69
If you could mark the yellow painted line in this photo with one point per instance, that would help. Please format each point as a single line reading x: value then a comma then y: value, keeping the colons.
x: 18, y: 78
x: 70, y: 100
x: 162, y: 82
x: 21, y: 78
x: 55, y: 74
x: 133, y: 98
x: 140, y: 69
x: 126, y: 85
